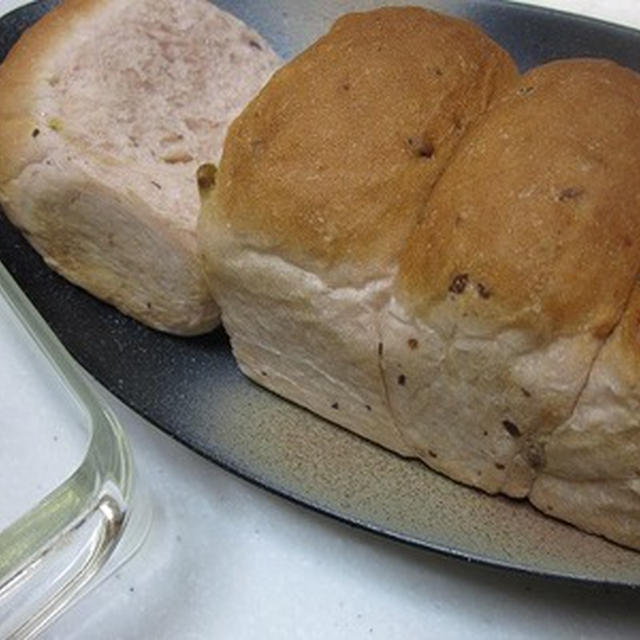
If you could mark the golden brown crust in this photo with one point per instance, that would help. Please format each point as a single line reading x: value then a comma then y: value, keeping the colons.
x: 335, y: 159
x: 537, y: 214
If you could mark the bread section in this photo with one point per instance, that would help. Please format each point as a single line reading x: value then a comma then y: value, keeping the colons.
x: 107, y: 109
x: 324, y: 177
x: 515, y: 281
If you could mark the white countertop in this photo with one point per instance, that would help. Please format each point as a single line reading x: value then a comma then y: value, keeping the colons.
x: 225, y: 559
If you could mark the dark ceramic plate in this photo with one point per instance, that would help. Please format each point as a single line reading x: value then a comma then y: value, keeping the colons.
x: 192, y: 389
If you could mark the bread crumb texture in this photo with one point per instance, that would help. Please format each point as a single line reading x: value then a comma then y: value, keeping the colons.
x: 107, y: 109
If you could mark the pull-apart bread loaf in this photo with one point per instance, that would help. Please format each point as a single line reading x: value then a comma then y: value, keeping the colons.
x: 415, y: 242
x: 107, y: 107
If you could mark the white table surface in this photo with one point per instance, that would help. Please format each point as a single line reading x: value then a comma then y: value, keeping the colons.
x: 227, y: 560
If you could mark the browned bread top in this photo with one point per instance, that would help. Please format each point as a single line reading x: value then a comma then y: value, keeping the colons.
x: 537, y: 218
x: 337, y: 156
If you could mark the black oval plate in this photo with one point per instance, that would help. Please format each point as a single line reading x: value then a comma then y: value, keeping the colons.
x: 192, y: 389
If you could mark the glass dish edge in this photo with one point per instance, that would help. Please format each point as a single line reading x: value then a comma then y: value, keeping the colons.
x: 87, y: 526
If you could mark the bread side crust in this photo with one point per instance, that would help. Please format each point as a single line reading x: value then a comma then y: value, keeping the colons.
x: 304, y: 339
x: 58, y: 218
x: 591, y: 474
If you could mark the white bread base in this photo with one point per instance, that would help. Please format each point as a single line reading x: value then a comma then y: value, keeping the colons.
x: 332, y: 366
x: 331, y: 363
x: 440, y: 406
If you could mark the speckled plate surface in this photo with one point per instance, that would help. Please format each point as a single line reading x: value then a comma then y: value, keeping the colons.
x: 192, y: 389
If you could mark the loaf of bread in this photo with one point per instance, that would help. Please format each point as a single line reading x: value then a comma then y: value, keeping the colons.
x: 415, y: 242
x: 107, y: 107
